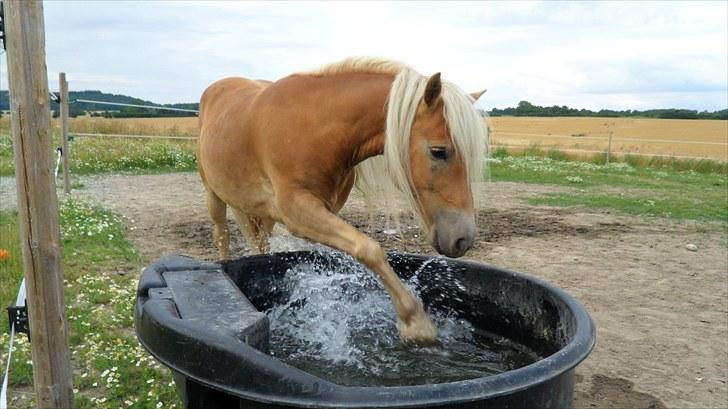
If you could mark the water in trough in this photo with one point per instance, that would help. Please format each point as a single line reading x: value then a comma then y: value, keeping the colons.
x: 338, y: 323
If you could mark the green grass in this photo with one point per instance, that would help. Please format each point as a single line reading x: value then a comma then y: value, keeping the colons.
x: 663, y: 192
x: 705, y: 166
x: 111, y: 369
x: 11, y: 269
x: 678, y: 207
x: 98, y: 155
x: 11, y: 272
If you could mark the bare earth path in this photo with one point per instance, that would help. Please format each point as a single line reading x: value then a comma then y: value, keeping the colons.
x: 661, y: 310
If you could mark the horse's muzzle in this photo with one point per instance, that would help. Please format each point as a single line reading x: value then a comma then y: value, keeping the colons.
x: 453, y: 233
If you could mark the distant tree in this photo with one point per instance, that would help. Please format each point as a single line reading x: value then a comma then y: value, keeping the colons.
x: 524, y: 108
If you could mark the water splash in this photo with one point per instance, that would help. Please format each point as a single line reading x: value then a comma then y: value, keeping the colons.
x: 284, y: 243
x: 339, y: 324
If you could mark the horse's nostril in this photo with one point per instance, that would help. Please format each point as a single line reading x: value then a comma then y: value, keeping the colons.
x: 461, y: 245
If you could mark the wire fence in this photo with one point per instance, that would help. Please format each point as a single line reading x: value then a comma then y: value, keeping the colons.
x: 576, y: 138
x: 532, y: 140
x: 162, y: 108
x: 617, y: 153
x: 109, y: 135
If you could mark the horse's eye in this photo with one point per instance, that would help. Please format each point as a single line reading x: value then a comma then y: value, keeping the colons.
x: 439, y: 153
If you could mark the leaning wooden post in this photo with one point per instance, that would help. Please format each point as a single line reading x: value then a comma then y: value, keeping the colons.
x: 37, y: 202
x: 66, y: 153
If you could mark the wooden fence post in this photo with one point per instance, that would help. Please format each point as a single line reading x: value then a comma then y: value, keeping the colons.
x: 609, y: 147
x: 66, y: 153
x: 37, y: 202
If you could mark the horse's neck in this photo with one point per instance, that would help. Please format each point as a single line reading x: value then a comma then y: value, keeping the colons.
x: 371, y: 146
x: 367, y: 95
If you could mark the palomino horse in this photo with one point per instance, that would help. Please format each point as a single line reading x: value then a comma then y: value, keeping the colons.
x: 290, y: 151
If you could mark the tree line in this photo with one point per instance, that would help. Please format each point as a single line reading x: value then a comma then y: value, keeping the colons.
x: 526, y: 108
x: 108, y: 111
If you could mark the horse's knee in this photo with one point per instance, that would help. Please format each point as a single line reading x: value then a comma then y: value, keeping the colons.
x: 293, y: 224
x: 370, y: 253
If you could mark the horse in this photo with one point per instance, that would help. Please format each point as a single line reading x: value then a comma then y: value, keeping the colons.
x: 290, y: 152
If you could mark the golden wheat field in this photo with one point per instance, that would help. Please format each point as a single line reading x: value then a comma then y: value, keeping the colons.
x: 670, y: 137
x: 673, y: 137
x: 185, y: 126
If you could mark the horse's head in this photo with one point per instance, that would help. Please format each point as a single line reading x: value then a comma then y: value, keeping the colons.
x: 444, y: 152
x: 435, y: 143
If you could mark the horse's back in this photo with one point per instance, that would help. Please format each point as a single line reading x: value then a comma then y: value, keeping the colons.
x: 226, y: 94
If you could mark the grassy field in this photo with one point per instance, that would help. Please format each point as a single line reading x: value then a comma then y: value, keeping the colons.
x: 111, y: 369
x: 645, y: 191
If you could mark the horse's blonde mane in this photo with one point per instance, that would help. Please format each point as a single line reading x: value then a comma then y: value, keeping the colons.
x: 360, y: 64
x: 388, y: 176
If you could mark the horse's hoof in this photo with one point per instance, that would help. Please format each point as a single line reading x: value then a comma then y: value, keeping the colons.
x: 419, y: 330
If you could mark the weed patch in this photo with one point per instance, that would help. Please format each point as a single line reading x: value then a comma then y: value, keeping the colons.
x: 99, y: 155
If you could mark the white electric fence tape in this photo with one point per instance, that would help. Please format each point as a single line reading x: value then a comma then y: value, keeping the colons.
x: 19, y: 302
x: 58, y: 161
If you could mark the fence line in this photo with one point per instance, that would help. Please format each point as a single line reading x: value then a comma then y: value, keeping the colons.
x: 134, y: 136
x: 671, y: 141
x: 615, y: 139
x: 579, y: 138
x: 613, y: 152
x: 494, y: 132
x: 494, y: 145
x: 89, y: 101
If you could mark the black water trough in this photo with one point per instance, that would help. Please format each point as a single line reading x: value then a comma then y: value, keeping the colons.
x: 192, y: 316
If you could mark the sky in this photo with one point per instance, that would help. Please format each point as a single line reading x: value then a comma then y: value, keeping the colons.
x: 594, y: 55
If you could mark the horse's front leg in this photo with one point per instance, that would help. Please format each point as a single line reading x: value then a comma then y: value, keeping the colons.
x: 307, y: 217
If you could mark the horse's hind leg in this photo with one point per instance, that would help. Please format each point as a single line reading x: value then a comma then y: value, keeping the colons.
x: 256, y: 230
x: 220, y: 233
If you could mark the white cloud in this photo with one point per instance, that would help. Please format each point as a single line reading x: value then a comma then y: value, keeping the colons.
x: 584, y: 54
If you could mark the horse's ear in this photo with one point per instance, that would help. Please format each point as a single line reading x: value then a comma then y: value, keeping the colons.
x: 477, y: 94
x: 433, y: 89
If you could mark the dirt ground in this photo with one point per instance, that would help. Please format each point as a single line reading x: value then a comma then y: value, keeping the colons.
x: 661, y: 310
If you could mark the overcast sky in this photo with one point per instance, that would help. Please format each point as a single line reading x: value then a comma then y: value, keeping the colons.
x: 620, y: 55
